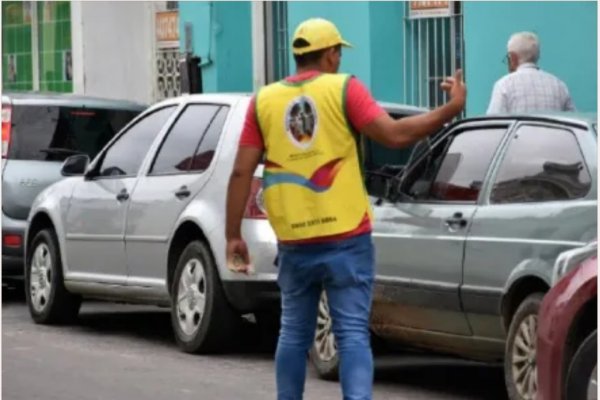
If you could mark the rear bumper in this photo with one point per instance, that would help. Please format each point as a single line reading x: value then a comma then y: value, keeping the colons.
x: 257, y: 291
x: 13, y: 258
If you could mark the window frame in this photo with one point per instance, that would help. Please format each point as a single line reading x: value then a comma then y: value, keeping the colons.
x: 94, y: 169
x: 276, y: 50
x: 508, y: 125
x: 163, y: 139
x: 570, y: 128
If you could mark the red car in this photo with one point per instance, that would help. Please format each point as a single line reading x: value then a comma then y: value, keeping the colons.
x: 568, y: 329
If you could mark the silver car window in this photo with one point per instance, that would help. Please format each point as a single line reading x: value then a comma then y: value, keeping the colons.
x: 176, y: 151
x: 126, y: 154
x: 208, y: 145
x: 542, y: 163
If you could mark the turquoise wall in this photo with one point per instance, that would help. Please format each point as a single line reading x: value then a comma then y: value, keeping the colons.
x: 568, y: 37
x: 352, y: 19
x: 376, y: 31
x: 567, y: 32
x: 387, y: 47
x: 222, y: 37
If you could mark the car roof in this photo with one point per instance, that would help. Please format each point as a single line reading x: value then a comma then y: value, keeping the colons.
x: 573, y: 118
x: 67, y: 99
x: 230, y: 98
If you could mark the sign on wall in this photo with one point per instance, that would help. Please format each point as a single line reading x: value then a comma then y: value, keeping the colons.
x: 167, y: 29
x: 429, y: 9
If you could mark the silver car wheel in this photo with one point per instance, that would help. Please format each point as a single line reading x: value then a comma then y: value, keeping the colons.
x: 326, y: 345
x: 524, y: 368
x: 191, y: 300
x: 40, y: 277
x: 593, y: 385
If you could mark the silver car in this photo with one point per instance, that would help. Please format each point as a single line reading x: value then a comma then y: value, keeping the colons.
x: 144, y: 222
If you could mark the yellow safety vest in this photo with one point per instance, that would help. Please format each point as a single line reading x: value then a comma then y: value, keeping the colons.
x: 312, y: 180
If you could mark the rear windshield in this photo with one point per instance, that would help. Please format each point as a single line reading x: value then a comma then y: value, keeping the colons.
x: 54, y: 133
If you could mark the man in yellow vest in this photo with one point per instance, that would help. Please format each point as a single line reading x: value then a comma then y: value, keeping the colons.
x: 316, y: 201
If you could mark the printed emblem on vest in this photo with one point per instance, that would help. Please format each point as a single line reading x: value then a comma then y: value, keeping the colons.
x: 301, y: 121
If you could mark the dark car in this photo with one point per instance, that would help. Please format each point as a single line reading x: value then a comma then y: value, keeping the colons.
x: 568, y: 330
x: 39, y: 131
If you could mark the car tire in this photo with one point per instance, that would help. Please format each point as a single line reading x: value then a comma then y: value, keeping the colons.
x: 202, y: 319
x: 48, y: 300
x: 580, y: 371
x: 520, y: 370
x: 323, y: 354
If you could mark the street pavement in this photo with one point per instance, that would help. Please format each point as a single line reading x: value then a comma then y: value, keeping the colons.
x: 124, y: 352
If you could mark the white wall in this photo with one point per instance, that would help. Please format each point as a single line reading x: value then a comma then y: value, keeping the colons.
x: 113, y: 49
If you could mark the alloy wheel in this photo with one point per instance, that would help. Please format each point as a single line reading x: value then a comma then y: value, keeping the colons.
x: 191, y: 300
x: 40, y: 277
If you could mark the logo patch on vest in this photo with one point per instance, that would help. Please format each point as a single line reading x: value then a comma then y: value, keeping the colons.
x: 301, y: 121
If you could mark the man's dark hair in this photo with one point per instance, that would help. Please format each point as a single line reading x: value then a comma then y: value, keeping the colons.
x: 311, y: 58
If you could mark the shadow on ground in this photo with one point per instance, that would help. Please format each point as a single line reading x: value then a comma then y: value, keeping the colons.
x: 463, y: 379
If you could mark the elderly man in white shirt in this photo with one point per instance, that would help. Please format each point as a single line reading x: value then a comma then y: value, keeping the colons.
x: 527, y: 88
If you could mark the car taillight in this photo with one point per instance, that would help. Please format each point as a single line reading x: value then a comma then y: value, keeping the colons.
x: 6, y: 127
x: 255, y: 208
x: 12, y: 240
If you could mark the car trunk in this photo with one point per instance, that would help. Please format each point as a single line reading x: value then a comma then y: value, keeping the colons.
x: 41, y: 137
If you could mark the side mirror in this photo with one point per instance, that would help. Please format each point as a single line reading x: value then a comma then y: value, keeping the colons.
x: 75, y: 165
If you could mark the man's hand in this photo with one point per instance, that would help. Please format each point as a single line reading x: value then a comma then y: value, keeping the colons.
x: 237, y: 195
x: 456, y: 89
x: 238, y: 259
x: 409, y: 130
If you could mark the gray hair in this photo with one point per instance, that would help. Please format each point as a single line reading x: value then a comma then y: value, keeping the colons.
x: 526, y: 46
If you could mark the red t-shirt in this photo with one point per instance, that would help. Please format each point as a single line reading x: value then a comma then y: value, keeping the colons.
x: 361, y: 110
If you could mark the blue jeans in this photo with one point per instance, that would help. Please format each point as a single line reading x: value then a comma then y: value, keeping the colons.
x: 345, y: 269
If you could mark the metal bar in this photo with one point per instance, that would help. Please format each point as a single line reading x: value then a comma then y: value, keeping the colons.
x: 412, y: 63
x: 444, y: 60
x: 435, y: 60
x: 35, y: 53
x: 427, y: 66
x: 453, y: 45
x: 404, y: 64
x: 420, y: 100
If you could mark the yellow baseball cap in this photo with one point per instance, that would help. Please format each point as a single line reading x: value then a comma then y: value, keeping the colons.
x: 319, y: 34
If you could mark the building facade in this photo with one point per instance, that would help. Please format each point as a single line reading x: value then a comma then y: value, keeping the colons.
x: 402, y: 50
x: 123, y: 50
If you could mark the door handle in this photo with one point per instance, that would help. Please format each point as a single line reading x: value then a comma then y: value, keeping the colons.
x: 182, y: 193
x: 123, y: 195
x: 456, y: 221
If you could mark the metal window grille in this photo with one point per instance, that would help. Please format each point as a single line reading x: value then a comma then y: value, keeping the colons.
x: 277, y: 51
x: 433, y: 50
x: 167, y: 73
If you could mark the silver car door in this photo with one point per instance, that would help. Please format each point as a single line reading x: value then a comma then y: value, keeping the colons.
x: 95, y: 221
x: 178, y: 172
